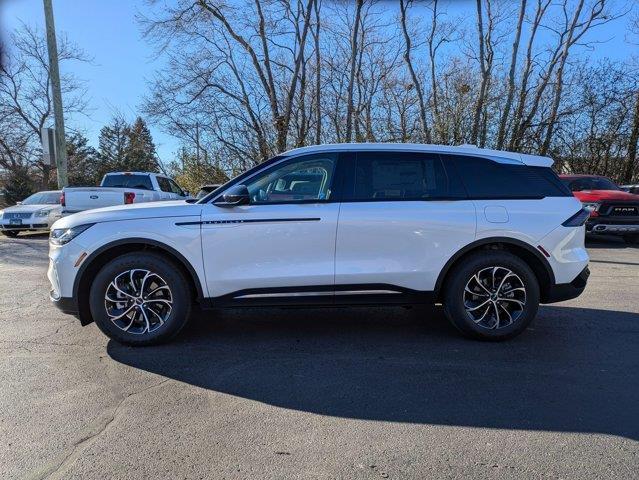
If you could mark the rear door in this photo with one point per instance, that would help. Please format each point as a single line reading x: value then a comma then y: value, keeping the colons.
x: 403, y: 215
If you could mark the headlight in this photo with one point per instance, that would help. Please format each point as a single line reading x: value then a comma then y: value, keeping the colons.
x: 62, y: 236
x: 42, y: 213
x: 591, y: 206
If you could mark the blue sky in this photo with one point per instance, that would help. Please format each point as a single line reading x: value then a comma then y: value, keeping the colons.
x: 122, y: 61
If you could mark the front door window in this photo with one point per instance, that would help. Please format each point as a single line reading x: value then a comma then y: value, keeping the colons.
x: 307, y: 179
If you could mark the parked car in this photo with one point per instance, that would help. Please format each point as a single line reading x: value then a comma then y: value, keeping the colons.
x: 612, y: 211
x: 630, y: 189
x: 206, y: 189
x: 122, y: 188
x: 36, y: 212
x: 489, y: 234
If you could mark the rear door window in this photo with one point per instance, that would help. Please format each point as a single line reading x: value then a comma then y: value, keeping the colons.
x: 486, y: 179
x: 392, y: 176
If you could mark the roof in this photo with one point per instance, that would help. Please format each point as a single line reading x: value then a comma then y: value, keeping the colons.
x: 471, y: 150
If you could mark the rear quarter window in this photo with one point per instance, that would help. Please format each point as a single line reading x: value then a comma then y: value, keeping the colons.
x: 485, y: 178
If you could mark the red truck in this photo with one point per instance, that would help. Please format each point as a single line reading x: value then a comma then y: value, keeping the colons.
x: 612, y: 211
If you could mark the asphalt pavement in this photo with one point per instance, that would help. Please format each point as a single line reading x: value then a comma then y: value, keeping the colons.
x: 361, y: 393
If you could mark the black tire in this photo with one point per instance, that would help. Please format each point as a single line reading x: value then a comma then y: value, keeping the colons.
x: 631, y: 239
x: 10, y: 233
x: 455, y: 296
x: 162, y: 271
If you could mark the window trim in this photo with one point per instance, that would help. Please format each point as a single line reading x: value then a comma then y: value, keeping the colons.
x: 273, y: 164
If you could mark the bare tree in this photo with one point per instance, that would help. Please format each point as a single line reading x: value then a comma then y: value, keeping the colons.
x: 511, y: 77
x: 425, y: 131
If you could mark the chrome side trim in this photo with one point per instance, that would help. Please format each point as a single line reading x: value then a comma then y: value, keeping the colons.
x: 365, y: 292
x: 316, y: 294
x: 285, y: 294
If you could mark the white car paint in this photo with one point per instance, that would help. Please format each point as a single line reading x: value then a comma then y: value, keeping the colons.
x: 405, y: 244
x: 32, y: 216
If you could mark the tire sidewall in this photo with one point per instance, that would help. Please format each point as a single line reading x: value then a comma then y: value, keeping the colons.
x: 158, y: 264
x: 454, y: 294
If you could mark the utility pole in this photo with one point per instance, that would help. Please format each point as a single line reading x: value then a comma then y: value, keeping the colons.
x: 56, y: 93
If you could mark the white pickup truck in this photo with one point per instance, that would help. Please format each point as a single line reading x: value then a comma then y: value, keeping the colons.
x: 121, y: 188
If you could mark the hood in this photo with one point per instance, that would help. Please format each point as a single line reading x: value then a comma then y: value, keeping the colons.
x: 603, y: 195
x: 30, y: 208
x: 178, y: 208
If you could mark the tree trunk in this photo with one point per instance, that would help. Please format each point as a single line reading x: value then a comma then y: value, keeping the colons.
x: 351, y: 82
x: 479, y: 104
x: 511, y: 78
x: 630, y: 166
x: 403, y: 5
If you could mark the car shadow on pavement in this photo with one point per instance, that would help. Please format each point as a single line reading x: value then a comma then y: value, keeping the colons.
x: 575, y: 370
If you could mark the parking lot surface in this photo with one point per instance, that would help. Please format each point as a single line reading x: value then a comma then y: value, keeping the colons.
x: 361, y: 393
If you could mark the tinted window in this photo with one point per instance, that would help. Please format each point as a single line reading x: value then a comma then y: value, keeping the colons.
x: 175, y: 188
x: 142, y: 182
x: 591, y: 183
x: 402, y: 176
x: 164, y: 184
x: 308, y: 178
x: 485, y: 178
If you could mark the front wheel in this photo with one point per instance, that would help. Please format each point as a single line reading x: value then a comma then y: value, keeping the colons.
x: 491, y: 295
x: 140, y: 299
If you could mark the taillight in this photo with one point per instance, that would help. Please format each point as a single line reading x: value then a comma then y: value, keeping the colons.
x: 578, y: 219
x: 62, y: 200
x: 129, y: 197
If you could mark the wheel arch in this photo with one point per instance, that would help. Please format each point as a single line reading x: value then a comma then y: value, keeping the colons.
x: 534, y: 258
x: 100, y: 257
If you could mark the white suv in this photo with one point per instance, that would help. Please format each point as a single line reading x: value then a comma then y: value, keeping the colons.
x: 488, y: 234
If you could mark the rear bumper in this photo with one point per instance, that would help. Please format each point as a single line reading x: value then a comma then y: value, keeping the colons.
x: 566, y: 291
x: 619, y: 228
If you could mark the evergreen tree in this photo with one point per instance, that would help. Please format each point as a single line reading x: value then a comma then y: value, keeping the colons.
x: 18, y: 185
x: 113, y: 144
x: 84, y: 164
x: 140, y: 150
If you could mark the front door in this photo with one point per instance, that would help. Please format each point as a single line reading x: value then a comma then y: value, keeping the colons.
x: 280, y: 245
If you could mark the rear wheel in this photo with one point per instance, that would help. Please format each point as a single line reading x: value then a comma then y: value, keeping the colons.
x: 491, y: 295
x: 140, y: 299
x: 10, y: 233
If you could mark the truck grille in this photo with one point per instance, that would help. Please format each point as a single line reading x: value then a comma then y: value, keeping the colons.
x: 20, y: 215
x: 619, y: 211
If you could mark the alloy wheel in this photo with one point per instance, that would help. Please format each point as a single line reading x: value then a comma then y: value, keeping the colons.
x: 138, y: 301
x: 495, y: 297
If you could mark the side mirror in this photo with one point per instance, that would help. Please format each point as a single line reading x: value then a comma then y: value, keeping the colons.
x: 234, y: 196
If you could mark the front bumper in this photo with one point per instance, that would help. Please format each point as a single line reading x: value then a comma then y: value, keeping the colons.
x: 25, y: 226
x: 566, y: 291
x: 66, y: 305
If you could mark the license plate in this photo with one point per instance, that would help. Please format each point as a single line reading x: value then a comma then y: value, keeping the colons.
x: 625, y: 210
x: 15, y: 221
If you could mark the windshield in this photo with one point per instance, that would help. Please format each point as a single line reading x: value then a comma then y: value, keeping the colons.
x: 142, y: 182
x: 43, y: 198
x: 591, y: 183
